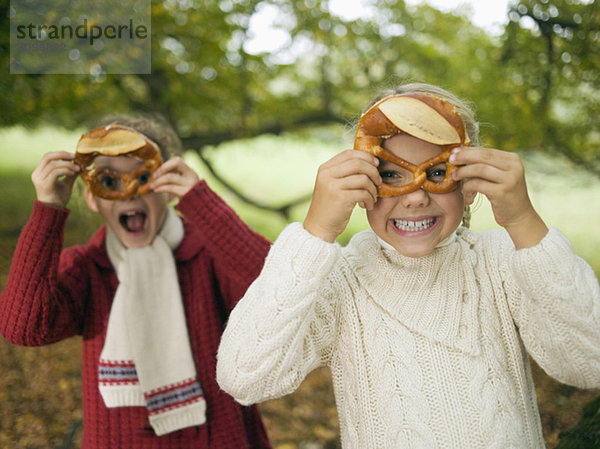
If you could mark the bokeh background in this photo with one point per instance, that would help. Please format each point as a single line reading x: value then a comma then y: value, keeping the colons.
x: 256, y: 120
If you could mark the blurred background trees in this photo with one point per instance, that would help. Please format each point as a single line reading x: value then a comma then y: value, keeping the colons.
x: 535, y: 86
x: 537, y: 83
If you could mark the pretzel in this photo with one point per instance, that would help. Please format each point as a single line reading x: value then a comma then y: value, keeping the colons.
x: 421, y: 115
x: 117, y: 140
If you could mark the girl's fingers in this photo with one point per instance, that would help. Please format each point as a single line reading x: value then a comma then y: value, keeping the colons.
x: 176, y: 190
x: 368, y: 203
x: 502, y: 160
x: 362, y: 197
x: 368, y: 199
x: 176, y: 178
x: 351, y: 178
x: 54, y: 169
x: 357, y: 167
x: 170, y: 187
x: 173, y: 178
x: 358, y: 182
x: 166, y: 167
x: 54, y: 155
x: 168, y: 178
x: 63, y: 165
x: 488, y: 165
x: 482, y: 171
x: 177, y: 164
x: 342, y: 182
x: 178, y: 168
x: 350, y: 167
x: 348, y: 155
x: 68, y: 180
x: 352, y: 161
x: 478, y: 185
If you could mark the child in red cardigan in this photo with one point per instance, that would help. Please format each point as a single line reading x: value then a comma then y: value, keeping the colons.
x: 148, y: 382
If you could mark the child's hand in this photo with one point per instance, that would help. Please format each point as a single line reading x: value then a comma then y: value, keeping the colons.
x: 174, y: 177
x: 348, y: 178
x: 54, y: 177
x: 500, y: 176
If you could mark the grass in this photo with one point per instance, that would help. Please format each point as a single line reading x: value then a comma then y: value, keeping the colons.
x: 21, y: 148
x: 272, y: 170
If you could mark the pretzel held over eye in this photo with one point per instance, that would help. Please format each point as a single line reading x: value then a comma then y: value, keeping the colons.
x: 424, y: 116
x: 117, y: 140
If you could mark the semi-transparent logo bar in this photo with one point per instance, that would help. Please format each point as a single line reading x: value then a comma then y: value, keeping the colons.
x: 80, y: 36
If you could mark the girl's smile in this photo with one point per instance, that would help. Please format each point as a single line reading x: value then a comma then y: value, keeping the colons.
x: 414, y: 226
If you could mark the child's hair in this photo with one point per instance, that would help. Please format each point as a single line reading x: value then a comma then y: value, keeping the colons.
x: 153, y: 126
x: 464, y: 109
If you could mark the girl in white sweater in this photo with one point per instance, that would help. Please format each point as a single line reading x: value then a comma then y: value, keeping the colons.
x: 425, y: 325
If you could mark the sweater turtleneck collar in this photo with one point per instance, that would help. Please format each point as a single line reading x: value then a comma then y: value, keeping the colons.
x: 447, y: 241
x: 435, y: 295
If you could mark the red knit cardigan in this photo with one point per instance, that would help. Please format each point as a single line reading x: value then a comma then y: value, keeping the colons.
x: 52, y: 294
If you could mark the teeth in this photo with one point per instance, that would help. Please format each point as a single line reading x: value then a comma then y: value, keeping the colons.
x: 406, y: 225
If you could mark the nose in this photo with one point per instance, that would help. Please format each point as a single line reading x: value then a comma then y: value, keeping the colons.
x: 418, y: 198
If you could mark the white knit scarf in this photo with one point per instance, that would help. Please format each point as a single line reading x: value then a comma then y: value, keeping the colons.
x: 147, y: 359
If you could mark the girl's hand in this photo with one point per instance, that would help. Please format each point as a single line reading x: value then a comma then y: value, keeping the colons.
x: 174, y: 177
x: 348, y: 178
x: 54, y: 177
x: 500, y: 176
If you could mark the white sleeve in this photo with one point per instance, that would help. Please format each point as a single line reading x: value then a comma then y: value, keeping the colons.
x: 558, y: 310
x: 285, y: 325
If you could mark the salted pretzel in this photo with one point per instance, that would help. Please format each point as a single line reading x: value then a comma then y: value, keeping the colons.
x: 117, y: 140
x: 424, y: 116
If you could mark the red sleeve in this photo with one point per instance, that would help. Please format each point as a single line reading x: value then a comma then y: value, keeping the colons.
x: 42, y: 303
x: 238, y: 251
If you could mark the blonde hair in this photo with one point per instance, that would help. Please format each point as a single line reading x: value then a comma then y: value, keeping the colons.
x: 464, y: 109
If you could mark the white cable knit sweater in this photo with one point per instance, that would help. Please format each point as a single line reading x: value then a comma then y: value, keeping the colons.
x: 426, y: 352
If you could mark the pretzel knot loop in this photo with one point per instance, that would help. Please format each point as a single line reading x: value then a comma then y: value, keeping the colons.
x: 424, y: 116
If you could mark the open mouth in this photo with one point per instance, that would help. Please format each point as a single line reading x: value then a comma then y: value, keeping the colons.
x: 414, y: 225
x: 133, y: 221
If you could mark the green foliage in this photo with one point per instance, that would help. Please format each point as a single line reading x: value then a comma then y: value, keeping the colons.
x: 551, y: 52
x: 535, y: 86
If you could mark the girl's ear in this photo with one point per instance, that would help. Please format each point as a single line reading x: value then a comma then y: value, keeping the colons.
x: 90, y: 199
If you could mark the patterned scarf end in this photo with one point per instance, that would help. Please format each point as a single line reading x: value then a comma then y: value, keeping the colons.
x: 170, y: 420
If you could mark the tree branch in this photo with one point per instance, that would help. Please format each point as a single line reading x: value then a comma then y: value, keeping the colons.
x: 284, y: 210
x: 197, y: 142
